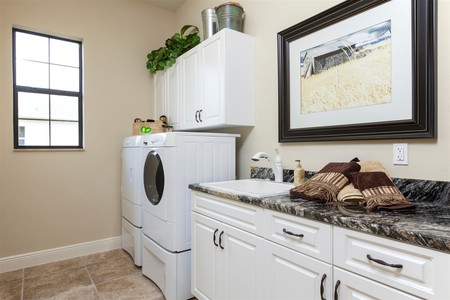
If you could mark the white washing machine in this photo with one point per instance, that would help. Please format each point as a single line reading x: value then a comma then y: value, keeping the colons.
x: 171, y: 161
x: 131, y: 198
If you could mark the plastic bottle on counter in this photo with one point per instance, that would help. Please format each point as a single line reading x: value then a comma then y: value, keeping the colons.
x: 299, y: 173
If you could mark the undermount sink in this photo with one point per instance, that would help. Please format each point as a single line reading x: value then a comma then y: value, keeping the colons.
x: 251, y: 187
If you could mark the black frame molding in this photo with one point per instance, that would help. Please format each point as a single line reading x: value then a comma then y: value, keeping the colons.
x: 17, y: 89
x: 424, y: 104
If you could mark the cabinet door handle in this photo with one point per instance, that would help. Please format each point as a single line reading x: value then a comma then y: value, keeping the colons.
x: 220, y: 240
x: 291, y: 233
x: 322, y: 288
x: 336, y: 286
x: 378, y: 261
x: 200, y: 115
x: 214, y: 237
x: 196, y: 116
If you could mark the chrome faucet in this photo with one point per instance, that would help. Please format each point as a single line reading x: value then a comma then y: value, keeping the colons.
x: 277, y: 169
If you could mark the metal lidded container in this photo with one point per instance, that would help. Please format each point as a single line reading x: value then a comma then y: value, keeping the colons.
x: 230, y: 15
x: 209, y: 20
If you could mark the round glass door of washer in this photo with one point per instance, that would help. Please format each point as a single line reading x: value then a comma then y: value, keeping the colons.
x: 153, y: 177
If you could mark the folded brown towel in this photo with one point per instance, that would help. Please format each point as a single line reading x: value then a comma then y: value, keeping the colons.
x: 379, y: 191
x: 325, y: 184
x: 350, y: 194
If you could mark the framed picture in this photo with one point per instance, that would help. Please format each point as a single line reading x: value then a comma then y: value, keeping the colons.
x: 364, y: 69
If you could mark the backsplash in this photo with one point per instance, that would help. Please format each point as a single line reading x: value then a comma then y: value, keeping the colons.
x: 413, y: 189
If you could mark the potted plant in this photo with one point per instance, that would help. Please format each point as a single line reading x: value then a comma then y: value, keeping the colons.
x: 175, y: 46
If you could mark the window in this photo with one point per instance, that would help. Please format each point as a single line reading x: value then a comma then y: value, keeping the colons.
x: 47, y: 79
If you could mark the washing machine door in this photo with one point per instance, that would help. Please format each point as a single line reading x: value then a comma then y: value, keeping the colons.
x: 153, y: 177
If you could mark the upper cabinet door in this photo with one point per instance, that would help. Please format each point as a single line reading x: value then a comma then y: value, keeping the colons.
x: 172, y: 105
x: 190, y: 92
x: 212, y: 87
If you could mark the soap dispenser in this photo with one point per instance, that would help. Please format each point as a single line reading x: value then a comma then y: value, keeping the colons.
x: 299, y: 173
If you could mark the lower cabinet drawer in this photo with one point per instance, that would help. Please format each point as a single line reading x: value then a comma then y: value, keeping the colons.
x: 305, y: 236
x: 413, y: 269
x: 351, y: 286
x: 243, y: 216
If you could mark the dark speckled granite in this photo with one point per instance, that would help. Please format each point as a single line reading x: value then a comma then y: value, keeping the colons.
x: 413, y: 189
x: 428, y: 225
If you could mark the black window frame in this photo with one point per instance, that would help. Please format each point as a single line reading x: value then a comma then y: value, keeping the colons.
x: 47, y: 91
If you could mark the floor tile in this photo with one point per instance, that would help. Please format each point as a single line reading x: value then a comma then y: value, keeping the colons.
x: 10, y: 276
x: 131, y: 287
x: 98, y: 257
x: 78, y: 293
x: 56, y: 266
x: 11, y: 290
x: 111, y: 269
x: 52, y: 284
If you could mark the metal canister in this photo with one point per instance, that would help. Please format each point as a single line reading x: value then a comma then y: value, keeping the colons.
x: 209, y: 20
x: 230, y: 15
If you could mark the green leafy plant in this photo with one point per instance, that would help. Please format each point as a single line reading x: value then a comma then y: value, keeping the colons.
x: 178, y: 44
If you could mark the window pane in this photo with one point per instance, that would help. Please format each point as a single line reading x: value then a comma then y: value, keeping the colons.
x: 33, y: 106
x: 64, y: 53
x: 31, y: 47
x: 36, y: 132
x: 64, y: 78
x: 64, y: 108
x: 31, y: 74
x: 64, y: 133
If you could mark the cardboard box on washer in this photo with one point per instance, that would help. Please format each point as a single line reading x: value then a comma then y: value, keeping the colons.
x: 144, y: 127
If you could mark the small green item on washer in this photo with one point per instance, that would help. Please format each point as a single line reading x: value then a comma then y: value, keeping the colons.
x: 145, y: 129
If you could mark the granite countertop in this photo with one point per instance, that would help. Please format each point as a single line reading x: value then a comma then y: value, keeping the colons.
x: 427, y: 226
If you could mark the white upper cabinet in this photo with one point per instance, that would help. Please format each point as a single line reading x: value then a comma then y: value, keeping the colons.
x: 215, y: 84
x: 167, y: 94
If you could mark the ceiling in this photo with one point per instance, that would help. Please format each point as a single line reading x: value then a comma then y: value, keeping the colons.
x: 167, y: 4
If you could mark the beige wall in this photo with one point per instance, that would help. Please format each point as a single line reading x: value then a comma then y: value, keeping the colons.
x: 53, y: 199
x: 428, y: 159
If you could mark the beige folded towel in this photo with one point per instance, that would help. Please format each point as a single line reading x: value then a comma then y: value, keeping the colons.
x: 350, y: 194
x: 372, y: 166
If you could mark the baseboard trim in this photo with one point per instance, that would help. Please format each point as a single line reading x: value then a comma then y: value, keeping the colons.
x: 11, y: 263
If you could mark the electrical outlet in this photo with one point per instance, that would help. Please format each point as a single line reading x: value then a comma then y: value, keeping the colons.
x: 400, y: 152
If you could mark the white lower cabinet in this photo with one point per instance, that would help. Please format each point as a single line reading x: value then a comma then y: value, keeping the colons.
x: 292, y: 275
x: 227, y: 263
x: 242, y: 251
x: 349, y: 286
x: 414, y: 270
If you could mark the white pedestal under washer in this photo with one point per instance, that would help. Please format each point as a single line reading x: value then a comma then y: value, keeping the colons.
x: 171, y: 161
x: 131, y: 198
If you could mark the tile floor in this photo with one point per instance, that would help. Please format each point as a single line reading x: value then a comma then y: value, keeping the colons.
x: 106, y: 275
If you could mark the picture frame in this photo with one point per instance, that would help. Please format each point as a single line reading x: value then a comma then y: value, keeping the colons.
x: 407, y: 106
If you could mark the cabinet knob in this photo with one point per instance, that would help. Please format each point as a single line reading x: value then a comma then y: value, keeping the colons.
x: 322, y: 288
x: 214, y: 237
x: 220, y: 240
x: 291, y: 233
x: 197, y: 113
x: 336, y: 286
x: 378, y: 261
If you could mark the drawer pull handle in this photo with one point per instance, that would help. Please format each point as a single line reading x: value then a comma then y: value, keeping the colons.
x: 196, y: 116
x: 398, y: 266
x: 214, y: 237
x: 322, y: 289
x: 220, y: 240
x: 200, y: 115
x: 291, y: 233
x: 336, y: 286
